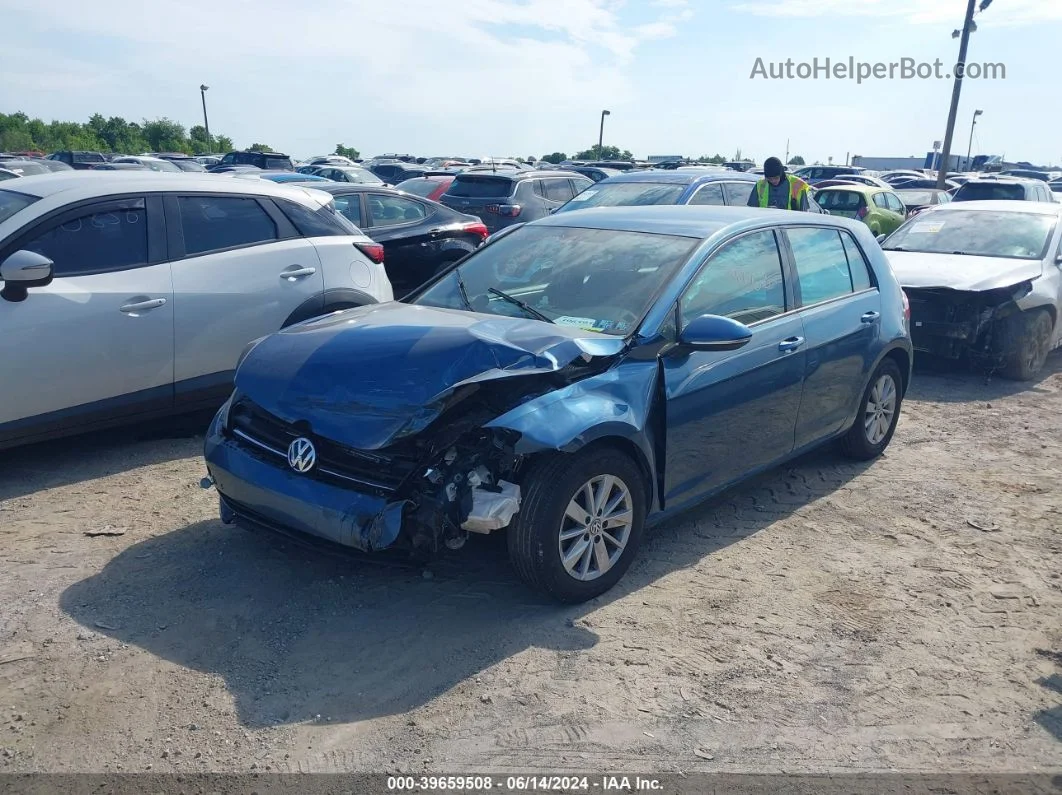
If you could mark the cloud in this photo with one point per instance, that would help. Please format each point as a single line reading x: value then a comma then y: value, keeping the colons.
x: 1011, y: 13
x: 655, y: 30
x: 671, y: 3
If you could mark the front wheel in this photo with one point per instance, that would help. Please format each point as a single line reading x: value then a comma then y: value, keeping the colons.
x: 879, y: 411
x: 580, y: 523
x: 1028, y: 335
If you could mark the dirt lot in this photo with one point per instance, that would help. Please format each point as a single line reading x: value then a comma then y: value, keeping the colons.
x: 904, y: 615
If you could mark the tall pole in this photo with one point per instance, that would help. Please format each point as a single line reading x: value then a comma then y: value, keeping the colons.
x: 969, y: 149
x: 601, y: 134
x: 960, y: 68
x: 206, y: 123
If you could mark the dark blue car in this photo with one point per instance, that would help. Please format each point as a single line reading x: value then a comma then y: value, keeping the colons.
x: 571, y: 382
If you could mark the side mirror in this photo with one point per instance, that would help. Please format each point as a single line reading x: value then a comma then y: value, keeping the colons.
x: 22, y: 270
x: 880, y: 239
x: 714, y: 333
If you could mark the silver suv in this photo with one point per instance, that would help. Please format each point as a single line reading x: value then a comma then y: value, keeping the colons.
x: 1003, y: 189
x: 128, y: 295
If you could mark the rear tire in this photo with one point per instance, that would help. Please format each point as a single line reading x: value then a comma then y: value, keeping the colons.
x: 1027, y: 341
x: 589, y: 508
x: 879, y: 411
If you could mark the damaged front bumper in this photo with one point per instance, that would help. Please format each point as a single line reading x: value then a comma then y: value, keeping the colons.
x: 958, y: 324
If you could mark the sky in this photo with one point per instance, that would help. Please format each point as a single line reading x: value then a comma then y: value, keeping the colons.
x: 528, y: 77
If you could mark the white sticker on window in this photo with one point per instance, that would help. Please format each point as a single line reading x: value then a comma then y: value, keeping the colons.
x: 577, y: 322
x: 586, y: 194
x: 927, y: 227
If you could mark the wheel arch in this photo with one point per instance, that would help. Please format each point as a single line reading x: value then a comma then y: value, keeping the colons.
x: 339, y: 298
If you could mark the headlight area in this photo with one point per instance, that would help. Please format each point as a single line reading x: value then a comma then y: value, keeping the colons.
x: 468, y: 486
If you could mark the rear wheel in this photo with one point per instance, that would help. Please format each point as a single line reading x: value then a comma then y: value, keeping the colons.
x: 879, y: 411
x: 1027, y: 340
x: 580, y: 523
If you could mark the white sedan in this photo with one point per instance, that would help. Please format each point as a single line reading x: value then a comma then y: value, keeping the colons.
x: 984, y: 279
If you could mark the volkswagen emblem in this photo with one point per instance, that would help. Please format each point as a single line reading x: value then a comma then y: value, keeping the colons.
x: 302, y: 455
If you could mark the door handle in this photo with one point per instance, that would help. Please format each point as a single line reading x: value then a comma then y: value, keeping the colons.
x: 870, y: 317
x: 436, y: 231
x: 297, y: 273
x: 143, y: 306
x: 790, y: 344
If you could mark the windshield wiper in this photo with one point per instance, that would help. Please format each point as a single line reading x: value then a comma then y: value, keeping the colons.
x: 461, y: 289
x: 524, y: 306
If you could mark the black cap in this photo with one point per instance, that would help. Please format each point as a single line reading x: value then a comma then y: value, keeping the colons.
x: 772, y: 167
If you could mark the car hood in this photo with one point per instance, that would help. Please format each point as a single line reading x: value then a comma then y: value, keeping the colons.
x: 959, y: 271
x: 369, y: 376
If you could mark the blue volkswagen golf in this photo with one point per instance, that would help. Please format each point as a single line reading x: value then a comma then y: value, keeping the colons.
x: 568, y: 384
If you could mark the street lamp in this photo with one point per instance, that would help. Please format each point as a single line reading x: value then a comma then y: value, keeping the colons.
x: 202, y: 93
x: 973, y: 124
x: 601, y: 133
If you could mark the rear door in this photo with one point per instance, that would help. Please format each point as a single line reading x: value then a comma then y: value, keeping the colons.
x: 97, y: 341
x: 897, y: 213
x: 841, y: 314
x: 737, y: 193
x: 554, y: 192
x: 240, y: 269
x: 731, y: 413
x: 403, y: 225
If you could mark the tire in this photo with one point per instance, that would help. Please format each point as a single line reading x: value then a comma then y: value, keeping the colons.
x: 879, y: 411
x: 1027, y: 341
x: 534, y: 538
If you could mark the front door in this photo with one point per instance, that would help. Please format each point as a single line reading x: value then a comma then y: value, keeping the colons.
x: 731, y: 413
x: 97, y: 341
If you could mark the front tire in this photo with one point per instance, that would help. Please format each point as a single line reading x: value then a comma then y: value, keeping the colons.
x: 580, y: 523
x: 1028, y: 339
x: 879, y: 411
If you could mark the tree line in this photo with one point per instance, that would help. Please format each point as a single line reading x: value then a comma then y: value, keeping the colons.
x: 20, y: 133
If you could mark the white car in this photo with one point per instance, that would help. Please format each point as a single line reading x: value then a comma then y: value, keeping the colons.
x: 984, y: 279
x: 128, y: 294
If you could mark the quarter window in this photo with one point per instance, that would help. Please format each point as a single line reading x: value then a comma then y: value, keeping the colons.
x: 712, y: 193
x: 743, y: 281
x: 821, y: 264
x: 211, y: 223
x: 393, y: 210
x: 108, y: 238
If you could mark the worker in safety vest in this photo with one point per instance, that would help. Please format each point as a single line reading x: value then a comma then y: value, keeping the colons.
x: 778, y: 189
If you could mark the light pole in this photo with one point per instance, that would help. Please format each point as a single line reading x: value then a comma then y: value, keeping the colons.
x: 969, y: 150
x: 960, y: 69
x: 202, y: 93
x: 601, y: 134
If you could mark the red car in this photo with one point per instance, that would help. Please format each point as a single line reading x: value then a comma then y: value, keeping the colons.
x: 427, y: 187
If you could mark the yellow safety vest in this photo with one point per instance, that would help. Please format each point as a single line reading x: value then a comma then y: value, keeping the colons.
x: 797, y: 190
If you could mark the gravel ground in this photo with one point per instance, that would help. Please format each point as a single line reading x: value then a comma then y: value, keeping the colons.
x: 900, y: 615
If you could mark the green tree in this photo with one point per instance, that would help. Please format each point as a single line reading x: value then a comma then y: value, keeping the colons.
x: 222, y: 143
x: 347, y: 151
x: 260, y: 148
x: 165, y: 135
x: 596, y: 152
x: 796, y: 160
x: 530, y: 160
x: 197, y: 137
x: 714, y: 159
x: 556, y: 157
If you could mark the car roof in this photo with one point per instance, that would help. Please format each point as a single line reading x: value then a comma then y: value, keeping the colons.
x: 518, y: 174
x: 1004, y: 179
x: 676, y: 177
x: 78, y: 185
x: 858, y: 187
x: 1004, y: 206
x: 700, y: 221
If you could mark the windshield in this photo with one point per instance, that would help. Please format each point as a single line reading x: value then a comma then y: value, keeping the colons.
x: 11, y: 203
x: 915, y: 197
x: 594, y: 279
x: 188, y: 165
x: 840, y: 200
x: 626, y: 194
x: 161, y: 165
x: 976, y: 232
x: 418, y: 186
x: 362, y: 176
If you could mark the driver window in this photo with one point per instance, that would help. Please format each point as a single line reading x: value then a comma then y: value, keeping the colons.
x: 743, y: 281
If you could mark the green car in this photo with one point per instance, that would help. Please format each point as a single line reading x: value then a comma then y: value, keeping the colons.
x: 878, y: 208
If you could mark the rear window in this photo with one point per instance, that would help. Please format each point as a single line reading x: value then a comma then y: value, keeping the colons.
x: 626, y: 194
x: 322, y: 222
x: 841, y: 200
x: 279, y: 162
x: 12, y: 202
x: 89, y: 157
x: 418, y: 186
x: 985, y: 191
x: 916, y: 197
x: 476, y: 187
